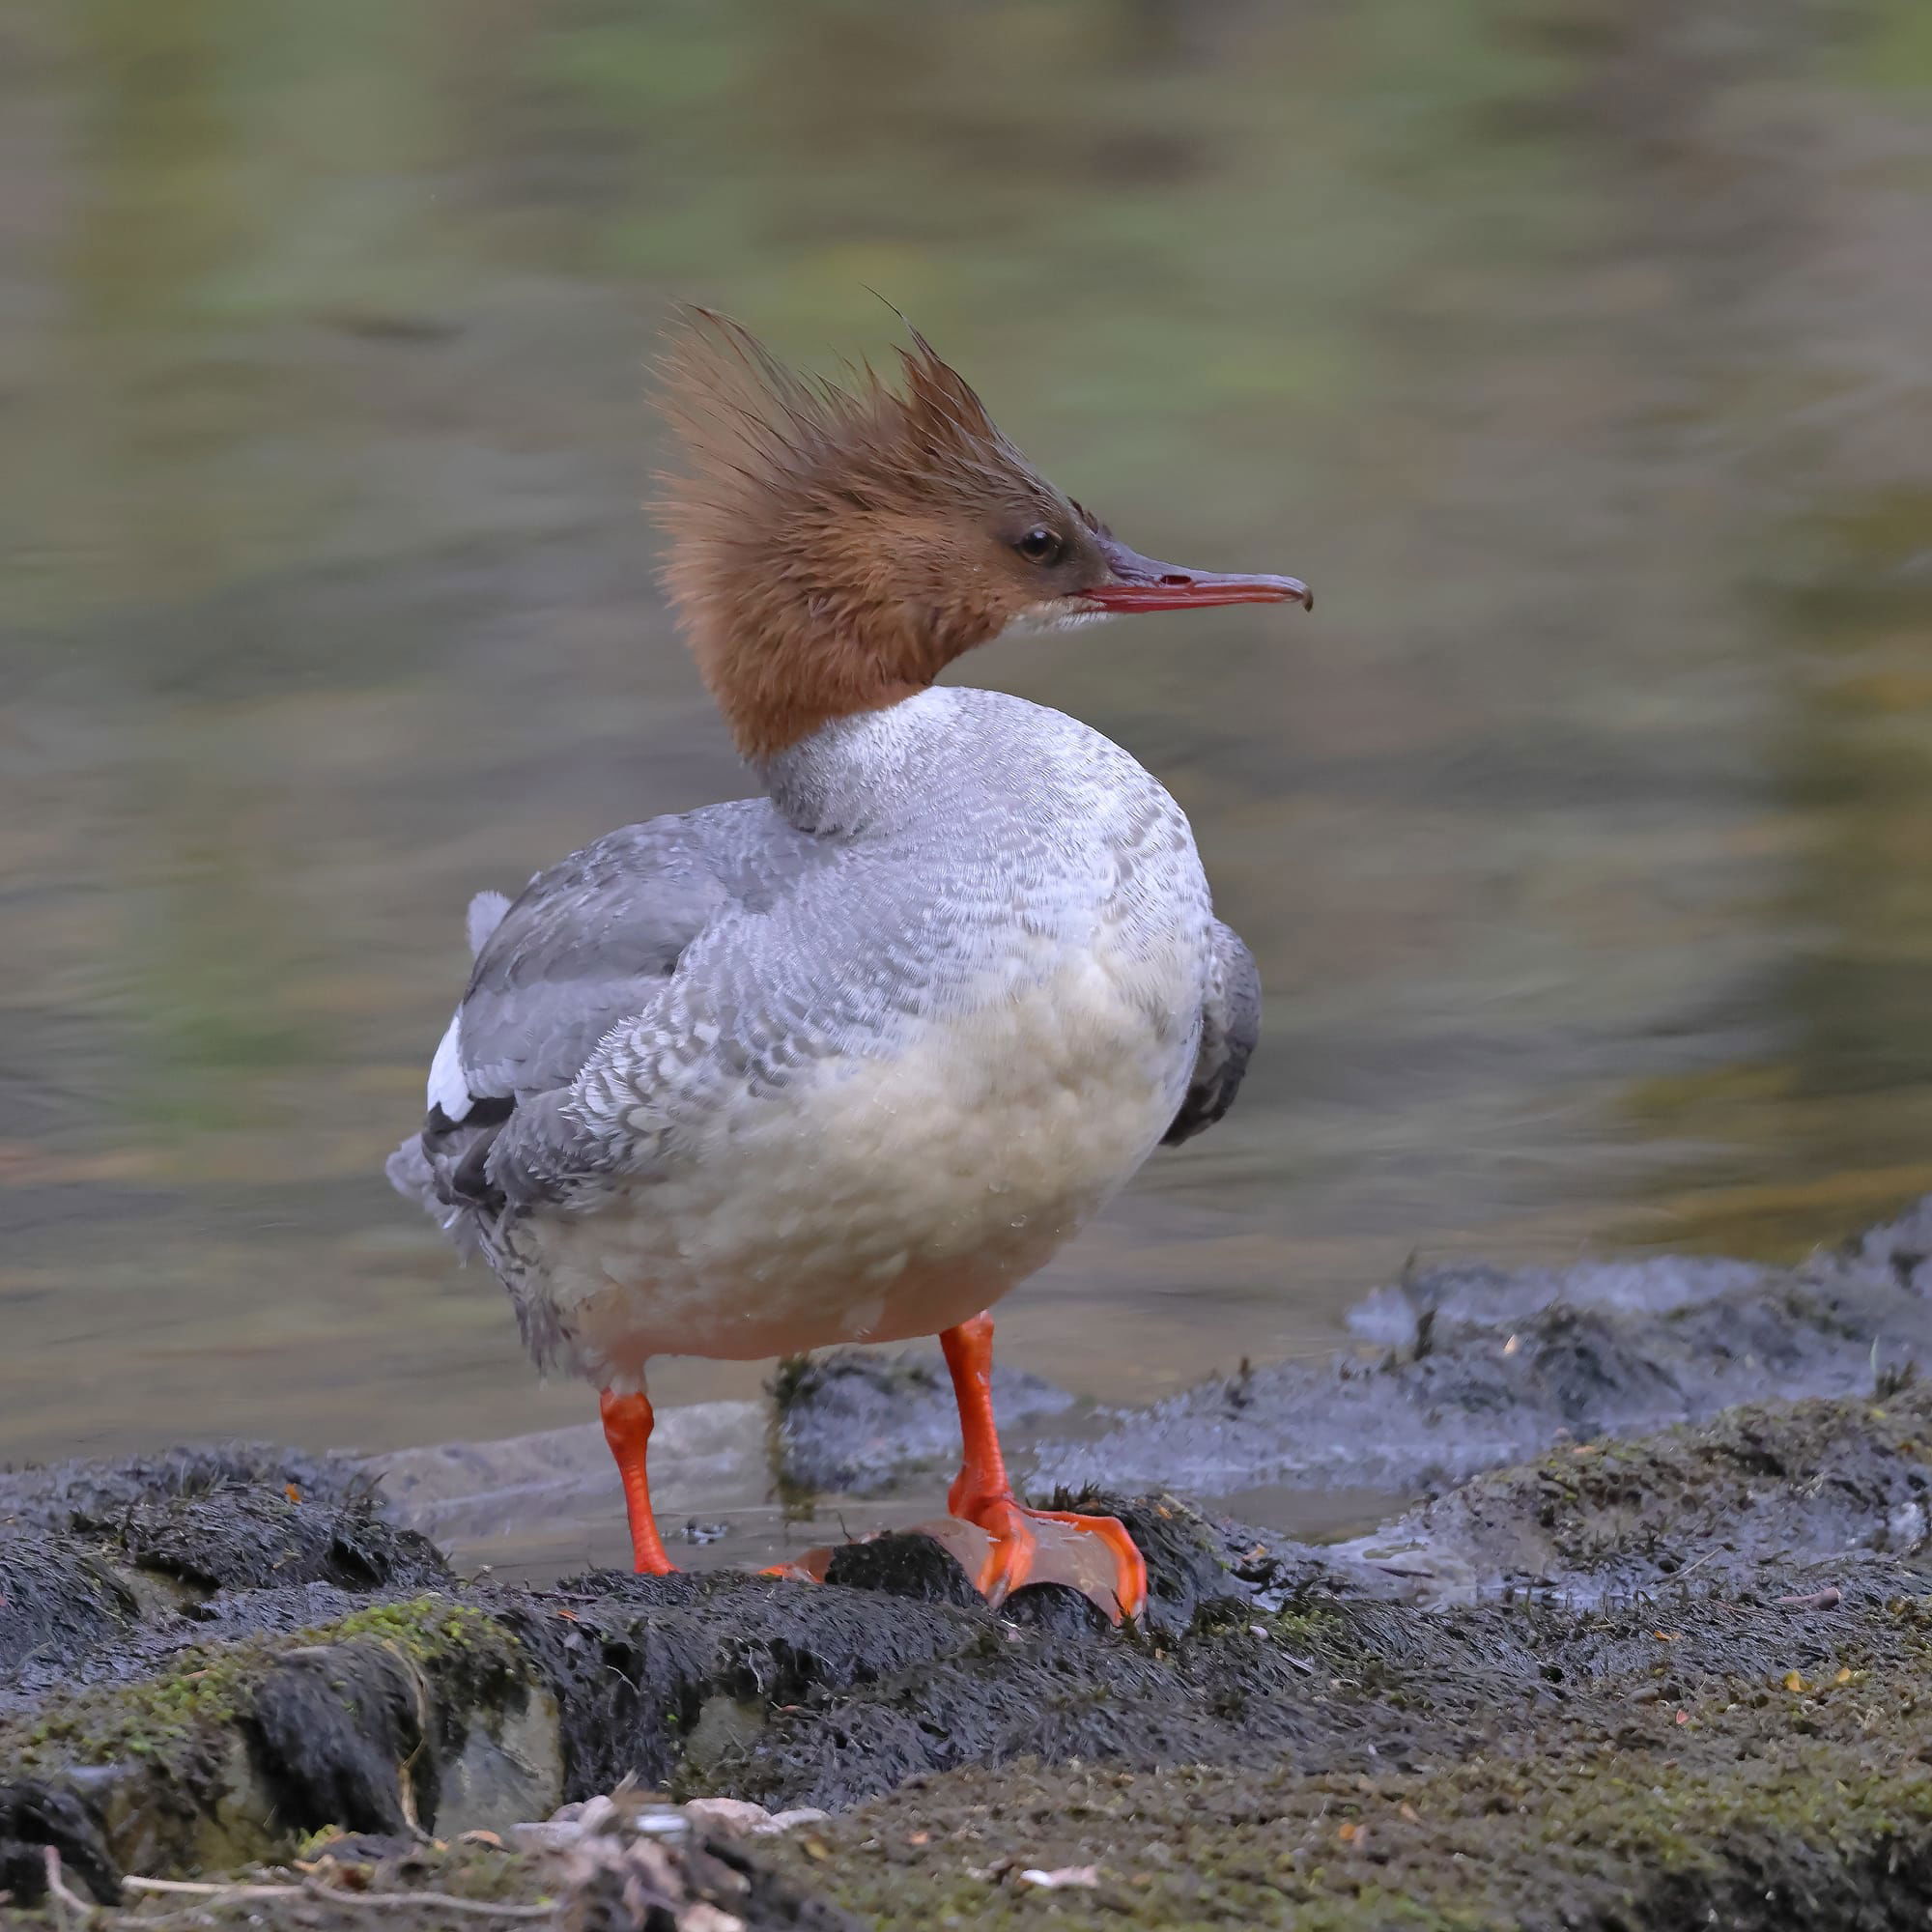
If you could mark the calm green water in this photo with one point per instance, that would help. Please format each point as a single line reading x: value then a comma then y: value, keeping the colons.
x: 1575, y: 350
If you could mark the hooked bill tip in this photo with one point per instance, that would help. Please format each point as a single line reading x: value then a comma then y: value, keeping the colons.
x: 1137, y: 583
x: 1189, y: 590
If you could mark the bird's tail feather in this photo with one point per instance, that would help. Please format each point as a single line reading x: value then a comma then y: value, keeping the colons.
x: 413, y: 1177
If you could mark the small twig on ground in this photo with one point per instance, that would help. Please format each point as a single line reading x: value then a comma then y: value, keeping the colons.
x: 1826, y: 1599
x: 444, y: 1901
x: 201, y: 1888
x: 58, y: 1888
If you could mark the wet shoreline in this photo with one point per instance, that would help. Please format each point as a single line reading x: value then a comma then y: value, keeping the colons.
x: 1655, y: 1629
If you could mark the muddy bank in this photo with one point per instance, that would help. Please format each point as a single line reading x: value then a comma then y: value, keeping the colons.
x: 1283, y: 1735
x: 1636, y: 1679
x: 1461, y: 1369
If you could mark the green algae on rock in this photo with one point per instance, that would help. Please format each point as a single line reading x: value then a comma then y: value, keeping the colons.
x: 406, y: 1710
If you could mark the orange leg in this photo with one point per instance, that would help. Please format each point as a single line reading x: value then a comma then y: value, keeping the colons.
x: 627, y: 1428
x: 983, y: 1494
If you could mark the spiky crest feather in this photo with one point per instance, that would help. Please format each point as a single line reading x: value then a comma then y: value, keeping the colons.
x: 830, y: 547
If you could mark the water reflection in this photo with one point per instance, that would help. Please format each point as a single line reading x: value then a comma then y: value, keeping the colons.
x: 1574, y: 350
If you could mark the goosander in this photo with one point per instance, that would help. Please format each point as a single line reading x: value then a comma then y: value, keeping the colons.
x: 847, y: 1061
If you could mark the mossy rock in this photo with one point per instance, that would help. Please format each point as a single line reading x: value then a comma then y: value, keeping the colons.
x: 406, y: 1716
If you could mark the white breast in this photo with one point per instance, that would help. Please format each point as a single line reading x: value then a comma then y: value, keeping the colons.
x: 887, y: 1197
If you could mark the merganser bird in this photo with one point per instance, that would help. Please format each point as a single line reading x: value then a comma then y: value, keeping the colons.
x: 846, y: 1061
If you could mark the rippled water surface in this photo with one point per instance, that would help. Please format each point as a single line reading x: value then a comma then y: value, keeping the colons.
x: 1575, y: 350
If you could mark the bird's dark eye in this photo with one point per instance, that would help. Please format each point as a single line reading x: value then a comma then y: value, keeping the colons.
x: 1042, y: 545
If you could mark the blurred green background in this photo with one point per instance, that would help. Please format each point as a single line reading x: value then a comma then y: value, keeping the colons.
x: 1575, y: 350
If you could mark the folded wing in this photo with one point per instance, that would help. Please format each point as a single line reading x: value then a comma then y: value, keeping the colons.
x: 590, y: 945
x: 1231, y: 1023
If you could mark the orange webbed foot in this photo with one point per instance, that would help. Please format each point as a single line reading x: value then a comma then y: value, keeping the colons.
x: 1093, y: 1553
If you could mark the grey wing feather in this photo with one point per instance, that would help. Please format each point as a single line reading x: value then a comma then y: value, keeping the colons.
x: 1231, y: 1023
x: 588, y: 944
x: 582, y: 950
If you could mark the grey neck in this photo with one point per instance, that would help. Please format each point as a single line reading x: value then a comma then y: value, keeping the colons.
x: 864, y: 773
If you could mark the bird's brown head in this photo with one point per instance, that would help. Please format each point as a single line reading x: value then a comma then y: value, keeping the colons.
x: 834, y: 548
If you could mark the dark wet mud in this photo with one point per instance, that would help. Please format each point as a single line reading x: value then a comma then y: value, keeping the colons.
x: 1662, y: 1676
